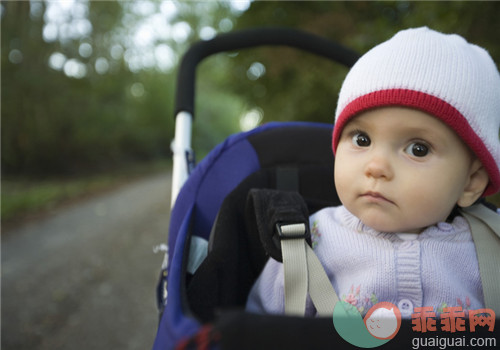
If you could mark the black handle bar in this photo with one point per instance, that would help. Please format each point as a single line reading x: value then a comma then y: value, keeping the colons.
x: 250, y: 38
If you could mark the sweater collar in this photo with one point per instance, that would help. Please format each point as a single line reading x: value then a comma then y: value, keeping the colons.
x: 458, y: 229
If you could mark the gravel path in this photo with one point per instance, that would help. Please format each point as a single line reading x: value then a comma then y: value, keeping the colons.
x: 85, y: 278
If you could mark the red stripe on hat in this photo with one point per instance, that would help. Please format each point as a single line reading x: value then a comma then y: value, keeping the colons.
x: 428, y: 104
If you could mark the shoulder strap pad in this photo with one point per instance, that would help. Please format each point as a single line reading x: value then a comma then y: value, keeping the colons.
x: 266, y: 208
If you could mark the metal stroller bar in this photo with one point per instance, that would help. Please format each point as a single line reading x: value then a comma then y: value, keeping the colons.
x: 185, y: 94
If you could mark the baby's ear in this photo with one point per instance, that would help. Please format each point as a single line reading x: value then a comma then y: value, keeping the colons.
x: 478, y: 180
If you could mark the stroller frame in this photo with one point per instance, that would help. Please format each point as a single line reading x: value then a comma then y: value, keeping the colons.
x: 185, y: 94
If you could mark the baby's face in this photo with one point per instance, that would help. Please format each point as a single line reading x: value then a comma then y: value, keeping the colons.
x: 400, y: 170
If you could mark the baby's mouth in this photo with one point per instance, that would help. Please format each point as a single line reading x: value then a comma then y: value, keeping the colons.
x: 376, y: 197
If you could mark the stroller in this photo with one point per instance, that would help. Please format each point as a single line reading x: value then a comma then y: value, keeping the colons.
x: 214, y: 250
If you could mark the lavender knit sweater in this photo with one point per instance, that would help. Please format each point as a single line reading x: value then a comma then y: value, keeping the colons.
x: 437, y: 267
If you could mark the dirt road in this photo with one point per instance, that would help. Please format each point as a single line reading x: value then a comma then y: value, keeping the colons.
x: 84, y: 278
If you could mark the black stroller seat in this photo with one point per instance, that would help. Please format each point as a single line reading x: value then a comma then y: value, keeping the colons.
x: 293, y: 158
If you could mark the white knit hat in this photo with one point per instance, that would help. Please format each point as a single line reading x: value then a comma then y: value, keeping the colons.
x: 442, y: 75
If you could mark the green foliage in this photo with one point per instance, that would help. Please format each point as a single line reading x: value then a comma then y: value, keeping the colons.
x: 217, y: 106
x: 298, y: 86
x: 55, y: 124
x: 52, y: 124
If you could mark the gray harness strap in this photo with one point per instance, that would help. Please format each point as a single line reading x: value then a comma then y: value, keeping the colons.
x: 304, y: 273
x: 485, y: 229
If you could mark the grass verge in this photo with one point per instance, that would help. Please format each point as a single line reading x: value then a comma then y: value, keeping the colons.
x: 24, y: 197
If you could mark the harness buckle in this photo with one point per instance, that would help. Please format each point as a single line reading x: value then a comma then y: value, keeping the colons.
x: 292, y: 230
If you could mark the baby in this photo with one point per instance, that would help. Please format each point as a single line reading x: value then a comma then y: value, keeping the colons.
x: 416, y: 136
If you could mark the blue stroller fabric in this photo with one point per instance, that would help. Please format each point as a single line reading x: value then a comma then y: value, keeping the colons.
x: 203, y: 193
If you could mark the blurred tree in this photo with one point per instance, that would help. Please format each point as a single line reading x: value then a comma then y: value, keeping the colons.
x: 25, y: 89
x: 90, y: 85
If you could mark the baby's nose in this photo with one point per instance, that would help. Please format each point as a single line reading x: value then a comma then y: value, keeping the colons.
x: 379, y: 167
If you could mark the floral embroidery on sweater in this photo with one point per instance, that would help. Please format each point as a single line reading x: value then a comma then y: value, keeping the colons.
x: 465, y: 305
x: 315, y: 234
x: 359, y: 301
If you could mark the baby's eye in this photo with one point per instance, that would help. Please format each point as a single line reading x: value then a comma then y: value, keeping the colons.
x: 361, y: 139
x: 417, y: 149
